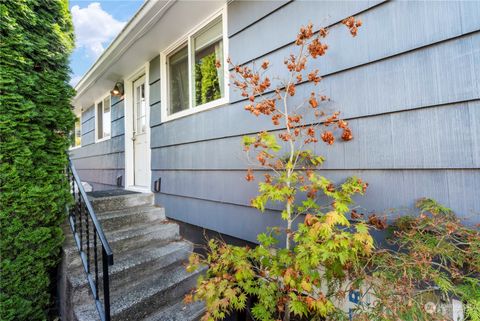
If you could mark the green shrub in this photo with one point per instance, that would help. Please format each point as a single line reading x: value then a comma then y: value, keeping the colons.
x: 35, y: 119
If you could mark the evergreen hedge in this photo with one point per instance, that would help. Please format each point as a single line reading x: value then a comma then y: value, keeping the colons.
x: 35, y: 121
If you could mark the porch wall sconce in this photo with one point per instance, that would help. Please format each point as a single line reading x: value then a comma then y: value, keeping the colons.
x: 117, y: 90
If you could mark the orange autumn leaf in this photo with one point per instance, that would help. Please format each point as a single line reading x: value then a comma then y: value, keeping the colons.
x: 249, y: 177
x: 347, y: 134
x: 313, y: 101
x: 328, y: 137
x: 265, y: 64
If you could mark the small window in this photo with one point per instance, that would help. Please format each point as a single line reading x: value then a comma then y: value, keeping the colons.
x: 195, y: 70
x: 77, y: 133
x: 104, y: 118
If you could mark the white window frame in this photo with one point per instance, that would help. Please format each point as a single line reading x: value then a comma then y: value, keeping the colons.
x: 80, y: 120
x: 98, y: 140
x: 187, y: 38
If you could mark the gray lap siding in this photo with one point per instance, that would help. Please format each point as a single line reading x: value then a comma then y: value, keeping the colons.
x: 101, y: 163
x: 409, y: 86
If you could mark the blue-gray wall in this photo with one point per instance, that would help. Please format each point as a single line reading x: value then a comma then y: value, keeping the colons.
x: 409, y: 85
x: 101, y: 163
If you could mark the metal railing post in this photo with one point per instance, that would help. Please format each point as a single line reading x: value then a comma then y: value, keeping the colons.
x: 82, y: 206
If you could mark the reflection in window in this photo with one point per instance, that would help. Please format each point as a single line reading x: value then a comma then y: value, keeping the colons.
x: 77, y: 133
x: 208, y: 52
x: 178, y: 79
x: 107, y: 120
x: 195, y: 72
x: 104, y: 123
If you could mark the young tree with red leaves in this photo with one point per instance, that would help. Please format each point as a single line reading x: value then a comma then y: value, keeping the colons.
x: 300, y: 278
x: 326, y: 256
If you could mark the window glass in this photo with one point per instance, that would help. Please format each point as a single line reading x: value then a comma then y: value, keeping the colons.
x: 77, y: 134
x: 107, y: 120
x: 141, y: 112
x: 178, y: 79
x: 195, y: 72
x: 100, y: 120
x: 208, y: 52
x: 104, y: 118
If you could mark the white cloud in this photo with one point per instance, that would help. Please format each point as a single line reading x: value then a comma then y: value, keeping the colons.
x: 94, y: 28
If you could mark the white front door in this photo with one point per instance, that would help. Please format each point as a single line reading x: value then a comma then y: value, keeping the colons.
x: 139, y: 137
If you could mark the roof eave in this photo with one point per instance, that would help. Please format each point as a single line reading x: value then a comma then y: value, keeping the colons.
x: 122, y: 42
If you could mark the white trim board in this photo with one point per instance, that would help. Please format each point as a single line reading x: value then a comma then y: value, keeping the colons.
x: 129, y: 148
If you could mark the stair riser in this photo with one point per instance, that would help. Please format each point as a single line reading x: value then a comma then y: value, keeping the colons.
x: 133, y: 274
x: 179, y: 312
x: 118, y: 223
x: 114, y: 224
x: 154, y: 302
x: 121, y: 202
x: 171, y: 234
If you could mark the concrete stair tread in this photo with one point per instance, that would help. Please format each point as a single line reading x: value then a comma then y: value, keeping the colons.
x: 129, y: 217
x: 118, y: 202
x: 143, y: 295
x: 128, y: 240
x: 127, y: 211
x: 127, y: 232
x: 134, y: 258
x: 148, y: 279
x: 178, y: 311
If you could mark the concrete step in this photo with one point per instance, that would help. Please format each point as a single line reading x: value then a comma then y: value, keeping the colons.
x: 145, y: 297
x: 127, y: 239
x: 148, y: 280
x: 178, y: 311
x: 120, y: 219
x: 131, y: 267
x: 114, y: 203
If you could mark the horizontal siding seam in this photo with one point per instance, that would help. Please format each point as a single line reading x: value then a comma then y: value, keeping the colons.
x: 101, y: 183
x: 97, y: 155
x: 100, y: 169
x: 350, y: 118
x: 259, y: 19
x: 155, y: 103
x: 473, y: 168
x: 215, y: 201
x: 293, y: 41
x: 365, y: 63
x: 116, y: 103
x: 88, y: 132
x: 85, y: 120
x: 119, y: 118
x: 154, y: 82
x: 86, y: 145
x: 122, y: 134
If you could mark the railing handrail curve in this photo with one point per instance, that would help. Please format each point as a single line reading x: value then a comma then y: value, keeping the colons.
x: 92, y: 214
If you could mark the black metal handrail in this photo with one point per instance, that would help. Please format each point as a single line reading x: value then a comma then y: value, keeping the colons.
x: 81, y: 215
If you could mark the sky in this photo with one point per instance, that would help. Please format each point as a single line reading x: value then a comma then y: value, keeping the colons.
x: 96, y: 23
